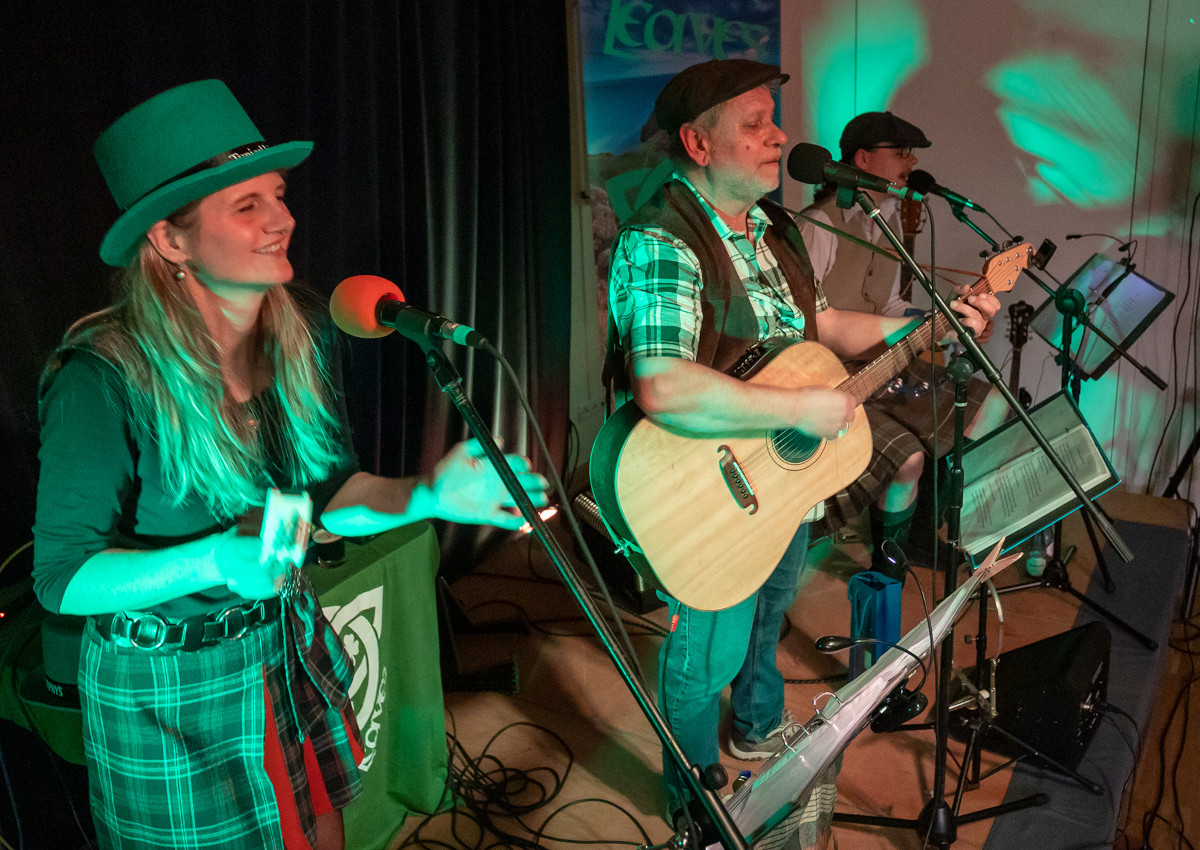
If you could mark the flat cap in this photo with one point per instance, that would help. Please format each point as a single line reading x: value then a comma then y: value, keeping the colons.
x: 700, y: 87
x: 879, y: 128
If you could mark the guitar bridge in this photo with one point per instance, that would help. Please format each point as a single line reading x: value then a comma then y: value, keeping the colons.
x: 735, y: 479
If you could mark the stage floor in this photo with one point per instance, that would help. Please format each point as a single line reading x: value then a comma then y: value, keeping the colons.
x: 575, y: 718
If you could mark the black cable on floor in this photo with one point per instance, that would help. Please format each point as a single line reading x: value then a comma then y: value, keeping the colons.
x: 487, y: 793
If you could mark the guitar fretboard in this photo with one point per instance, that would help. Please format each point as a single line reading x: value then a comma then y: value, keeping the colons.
x: 999, y: 274
x: 872, y: 377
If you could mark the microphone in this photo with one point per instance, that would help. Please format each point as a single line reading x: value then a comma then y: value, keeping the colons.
x: 369, y: 306
x: 836, y: 643
x: 813, y: 164
x: 922, y: 181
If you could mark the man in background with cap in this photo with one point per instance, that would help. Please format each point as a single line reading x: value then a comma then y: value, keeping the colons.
x: 704, y: 270
x: 854, y: 277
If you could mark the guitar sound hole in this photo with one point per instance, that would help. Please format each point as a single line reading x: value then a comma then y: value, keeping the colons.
x: 792, y: 447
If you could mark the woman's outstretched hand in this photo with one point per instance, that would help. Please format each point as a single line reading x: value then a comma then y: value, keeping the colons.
x: 465, y: 488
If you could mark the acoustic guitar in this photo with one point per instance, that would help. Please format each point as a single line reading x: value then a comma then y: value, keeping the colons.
x: 705, y: 517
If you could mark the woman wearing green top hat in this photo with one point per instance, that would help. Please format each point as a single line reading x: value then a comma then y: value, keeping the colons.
x: 213, y: 691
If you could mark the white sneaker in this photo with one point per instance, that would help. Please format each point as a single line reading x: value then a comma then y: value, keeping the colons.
x: 741, y: 748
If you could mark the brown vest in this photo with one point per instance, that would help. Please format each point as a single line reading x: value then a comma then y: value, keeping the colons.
x: 729, y: 325
x: 860, y: 279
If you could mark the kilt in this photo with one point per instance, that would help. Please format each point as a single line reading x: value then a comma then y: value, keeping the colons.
x: 176, y: 742
x: 902, y: 424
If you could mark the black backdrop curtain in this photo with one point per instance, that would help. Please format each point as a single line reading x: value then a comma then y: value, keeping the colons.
x: 441, y: 162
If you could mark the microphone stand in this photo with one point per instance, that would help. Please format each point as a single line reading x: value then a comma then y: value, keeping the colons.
x: 960, y: 213
x: 450, y: 382
x: 937, y: 820
x: 1070, y: 304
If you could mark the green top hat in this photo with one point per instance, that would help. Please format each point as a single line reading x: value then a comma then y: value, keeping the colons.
x: 175, y: 148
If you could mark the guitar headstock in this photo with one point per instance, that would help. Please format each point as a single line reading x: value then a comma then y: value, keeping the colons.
x: 1001, y: 271
x: 1019, y: 315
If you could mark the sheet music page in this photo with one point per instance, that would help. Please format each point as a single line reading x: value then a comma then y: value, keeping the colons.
x: 1026, y: 488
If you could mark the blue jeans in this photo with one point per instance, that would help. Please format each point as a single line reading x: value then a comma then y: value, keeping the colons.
x: 707, y: 650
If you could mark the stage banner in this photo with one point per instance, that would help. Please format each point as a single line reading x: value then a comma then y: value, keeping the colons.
x: 630, y: 49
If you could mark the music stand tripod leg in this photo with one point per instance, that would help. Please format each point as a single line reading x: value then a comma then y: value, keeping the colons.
x: 1056, y: 766
x: 970, y: 765
x: 1101, y: 563
x: 1057, y: 577
x: 1060, y: 580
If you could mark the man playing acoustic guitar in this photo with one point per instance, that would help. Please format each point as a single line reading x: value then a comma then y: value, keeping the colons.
x: 703, y: 271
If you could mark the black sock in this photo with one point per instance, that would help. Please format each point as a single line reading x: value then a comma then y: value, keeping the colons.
x: 889, y: 525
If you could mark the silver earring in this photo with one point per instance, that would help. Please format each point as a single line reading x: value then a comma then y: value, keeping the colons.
x: 180, y: 271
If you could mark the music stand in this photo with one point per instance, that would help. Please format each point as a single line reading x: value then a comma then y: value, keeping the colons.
x: 1120, y: 303
x: 1013, y: 494
x: 1012, y: 491
x: 764, y: 804
x: 1102, y: 315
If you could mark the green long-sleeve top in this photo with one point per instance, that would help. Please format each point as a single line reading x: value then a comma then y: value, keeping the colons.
x: 101, y: 484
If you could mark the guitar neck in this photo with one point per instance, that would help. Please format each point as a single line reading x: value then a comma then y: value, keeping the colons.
x: 872, y: 377
x: 998, y: 276
x: 1014, y: 377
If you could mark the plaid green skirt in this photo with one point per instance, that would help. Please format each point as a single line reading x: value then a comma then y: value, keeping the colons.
x: 175, y: 740
x: 902, y: 424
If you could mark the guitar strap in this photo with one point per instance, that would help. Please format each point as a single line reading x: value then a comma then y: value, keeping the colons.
x: 850, y: 237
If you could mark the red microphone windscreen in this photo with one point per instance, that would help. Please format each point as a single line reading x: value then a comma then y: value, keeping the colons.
x: 352, y: 304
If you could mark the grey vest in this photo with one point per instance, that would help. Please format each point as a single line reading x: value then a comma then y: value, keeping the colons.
x: 860, y: 279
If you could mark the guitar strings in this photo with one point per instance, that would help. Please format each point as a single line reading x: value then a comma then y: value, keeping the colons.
x: 862, y: 385
x: 865, y: 383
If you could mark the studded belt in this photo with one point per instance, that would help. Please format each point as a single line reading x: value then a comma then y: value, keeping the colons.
x: 151, y: 631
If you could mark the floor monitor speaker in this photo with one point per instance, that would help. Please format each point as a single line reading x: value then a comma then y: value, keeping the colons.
x: 1048, y: 695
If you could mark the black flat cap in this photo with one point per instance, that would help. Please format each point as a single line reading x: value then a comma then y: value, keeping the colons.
x: 700, y: 87
x: 879, y: 128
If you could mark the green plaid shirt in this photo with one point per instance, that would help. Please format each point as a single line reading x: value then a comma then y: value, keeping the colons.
x: 654, y: 286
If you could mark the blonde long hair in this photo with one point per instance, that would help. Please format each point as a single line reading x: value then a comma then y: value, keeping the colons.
x: 155, y: 335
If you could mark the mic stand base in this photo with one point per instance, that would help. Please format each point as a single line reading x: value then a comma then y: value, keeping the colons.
x: 1056, y: 577
x: 937, y: 825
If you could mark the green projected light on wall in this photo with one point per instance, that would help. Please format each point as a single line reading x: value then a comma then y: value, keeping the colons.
x: 1082, y: 141
x: 891, y: 34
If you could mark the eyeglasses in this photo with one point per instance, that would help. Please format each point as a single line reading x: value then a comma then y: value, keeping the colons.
x: 902, y: 151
